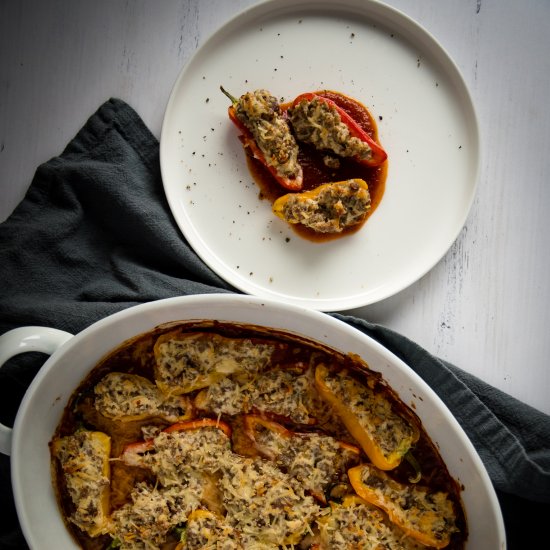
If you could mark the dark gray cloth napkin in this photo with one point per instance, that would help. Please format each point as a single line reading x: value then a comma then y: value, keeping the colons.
x: 95, y: 235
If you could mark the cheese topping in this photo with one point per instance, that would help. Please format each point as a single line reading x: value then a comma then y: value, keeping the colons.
x: 390, y: 431
x: 84, y: 460
x: 316, y: 122
x: 279, y: 392
x: 190, y: 361
x: 175, y: 454
x: 263, y: 503
x: 426, y: 515
x: 122, y: 396
x: 153, y: 512
x: 206, y: 530
x: 356, y: 524
x: 313, y: 459
x: 267, y: 505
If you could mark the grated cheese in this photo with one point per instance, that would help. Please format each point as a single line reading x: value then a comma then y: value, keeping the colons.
x: 356, y: 524
x: 390, y: 431
x: 279, y: 392
x: 315, y: 460
x: 122, y: 396
x: 424, y: 514
x: 190, y: 361
x: 84, y: 460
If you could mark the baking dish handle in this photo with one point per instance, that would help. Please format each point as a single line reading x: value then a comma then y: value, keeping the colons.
x: 23, y: 340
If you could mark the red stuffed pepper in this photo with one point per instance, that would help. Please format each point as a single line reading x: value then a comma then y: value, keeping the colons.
x: 319, y: 121
x: 265, y: 131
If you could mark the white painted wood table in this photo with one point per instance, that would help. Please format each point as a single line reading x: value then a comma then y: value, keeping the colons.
x: 486, y: 305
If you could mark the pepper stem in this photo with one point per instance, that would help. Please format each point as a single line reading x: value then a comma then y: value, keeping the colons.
x: 416, y: 467
x: 231, y: 97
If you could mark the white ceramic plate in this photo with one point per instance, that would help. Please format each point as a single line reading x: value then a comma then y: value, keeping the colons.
x: 427, y: 125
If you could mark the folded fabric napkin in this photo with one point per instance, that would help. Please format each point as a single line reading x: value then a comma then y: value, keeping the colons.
x: 95, y: 235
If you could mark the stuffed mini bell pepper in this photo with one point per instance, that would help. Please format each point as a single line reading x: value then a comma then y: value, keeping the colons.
x: 384, y: 435
x: 319, y: 121
x: 353, y: 520
x: 192, y: 434
x: 300, y: 454
x: 265, y: 131
x: 126, y: 397
x: 84, y: 462
x: 329, y: 208
x: 426, y: 516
